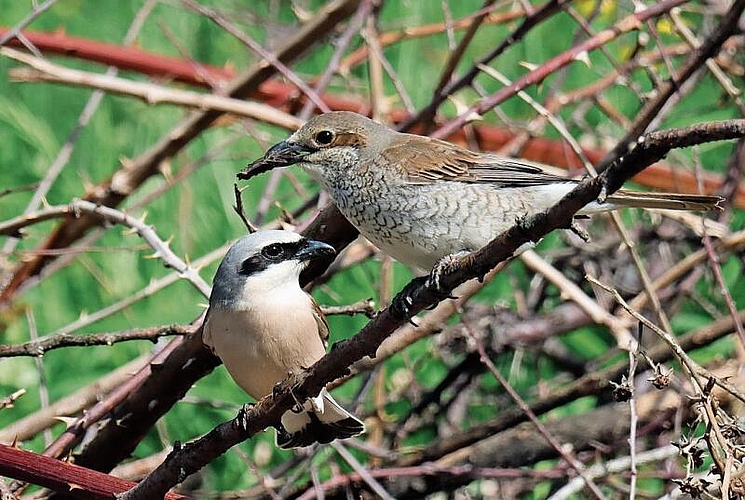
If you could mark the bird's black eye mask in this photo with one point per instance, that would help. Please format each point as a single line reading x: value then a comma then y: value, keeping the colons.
x: 270, y: 254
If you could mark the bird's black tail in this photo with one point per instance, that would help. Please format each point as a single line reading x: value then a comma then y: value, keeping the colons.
x: 321, y: 420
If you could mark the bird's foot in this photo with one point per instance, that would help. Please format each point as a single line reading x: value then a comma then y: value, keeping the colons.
x: 288, y: 383
x: 242, y: 418
x: 402, y: 302
x: 442, y: 267
x: 603, y: 195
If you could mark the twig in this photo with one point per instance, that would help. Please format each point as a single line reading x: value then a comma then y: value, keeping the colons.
x: 537, y: 17
x: 342, y: 44
x: 456, y: 55
x: 268, y: 410
x: 35, y: 12
x: 366, y: 307
x: 695, y: 371
x: 717, y: 270
x: 73, y: 480
x: 466, y: 472
x: 30, y: 425
x: 572, y: 461
x: 733, y: 242
x: 633, y: 416
x: 238, y: 208
x: 265, y: 55
x: 146, y: 232
x: 18, y: 189
x: 43, y: 388
x: 536, y: 76
x: 45, y: 71
x: 411, y: 32
x: 613, y: 466
x: 374, y: 485
x: 619, y: 328
x: 727, y: 25
x: 39, y: 347
x: 378, y: 103
x: 7, y: 401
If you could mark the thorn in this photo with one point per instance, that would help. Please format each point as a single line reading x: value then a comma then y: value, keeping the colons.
x: 583, y: 57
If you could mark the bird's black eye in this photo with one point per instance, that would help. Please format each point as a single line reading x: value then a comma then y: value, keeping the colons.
x: 324, y: 137
x: 275, y: 251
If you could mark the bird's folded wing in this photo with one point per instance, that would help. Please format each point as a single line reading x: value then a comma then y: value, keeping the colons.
x: 321, y: 322
x: 426, y: 161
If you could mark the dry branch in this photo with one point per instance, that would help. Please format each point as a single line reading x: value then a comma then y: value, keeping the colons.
x: 41, y: 70
x: 193, y: 456
x: 73, y: 480
x: 660, y: 176
x: 40, y: 346
x: 126, y: 180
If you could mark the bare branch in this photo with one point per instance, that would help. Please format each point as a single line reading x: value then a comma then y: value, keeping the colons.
x: 45, y: 71
x: 41, y: 346
x: 268, y: 410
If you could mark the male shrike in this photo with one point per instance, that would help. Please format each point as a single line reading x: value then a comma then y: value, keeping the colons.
x: 263, y: 326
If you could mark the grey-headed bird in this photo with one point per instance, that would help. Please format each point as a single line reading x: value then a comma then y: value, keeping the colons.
x: 263, y: 327
x: 421, y: 199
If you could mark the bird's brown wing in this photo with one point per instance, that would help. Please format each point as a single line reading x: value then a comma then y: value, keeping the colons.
x: 321, y: 323
x: 424, y: 161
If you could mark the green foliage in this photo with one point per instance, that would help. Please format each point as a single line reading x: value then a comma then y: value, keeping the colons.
x: 196, y: 215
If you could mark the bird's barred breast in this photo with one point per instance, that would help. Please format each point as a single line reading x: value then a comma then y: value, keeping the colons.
x: 419, y: 224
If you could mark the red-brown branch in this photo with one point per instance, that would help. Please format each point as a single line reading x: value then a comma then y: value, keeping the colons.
x: 660, y: 176
x: 72, y: 480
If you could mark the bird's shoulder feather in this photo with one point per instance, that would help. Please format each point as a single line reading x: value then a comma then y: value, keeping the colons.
x: 321, y: 322
x: 424, y: 160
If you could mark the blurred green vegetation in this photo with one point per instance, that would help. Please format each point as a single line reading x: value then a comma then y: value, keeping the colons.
x: 196, y: 214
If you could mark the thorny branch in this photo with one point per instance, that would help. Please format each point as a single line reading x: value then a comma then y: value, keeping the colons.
x: 193, y: 456
x: 530, y: 336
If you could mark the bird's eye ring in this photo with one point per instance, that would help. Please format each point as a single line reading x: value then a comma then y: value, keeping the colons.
x: 324, y: 137
x: 272, y: 251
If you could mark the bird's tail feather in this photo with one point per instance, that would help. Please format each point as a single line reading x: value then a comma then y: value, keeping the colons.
x: 669, y: 201
x: 321, y: 420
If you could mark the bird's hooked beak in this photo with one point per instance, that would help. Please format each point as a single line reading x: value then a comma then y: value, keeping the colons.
x: 282, y: 154
x: 312, y: 249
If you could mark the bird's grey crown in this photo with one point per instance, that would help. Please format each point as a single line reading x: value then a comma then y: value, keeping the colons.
x: 228, y: 280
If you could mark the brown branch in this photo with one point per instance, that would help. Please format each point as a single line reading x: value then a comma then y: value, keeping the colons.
x: 275, y: 93
x: 536, y: 76
x: 41, y: 346
x: 727, y: 26
x: 178, y: 367
x: 125, y: 181
x: 531, y: 21
x: 193, y: 456
x: 72, y: 480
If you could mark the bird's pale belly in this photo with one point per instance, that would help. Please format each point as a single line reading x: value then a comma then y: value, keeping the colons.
x: 259, y: 355
x: 420, y: 224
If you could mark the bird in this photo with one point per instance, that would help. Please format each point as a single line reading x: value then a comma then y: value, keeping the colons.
x: 422, y: 200
x: 265, y: 327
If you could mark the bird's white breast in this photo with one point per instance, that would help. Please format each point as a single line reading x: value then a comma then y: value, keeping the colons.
x: 271, y: 335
